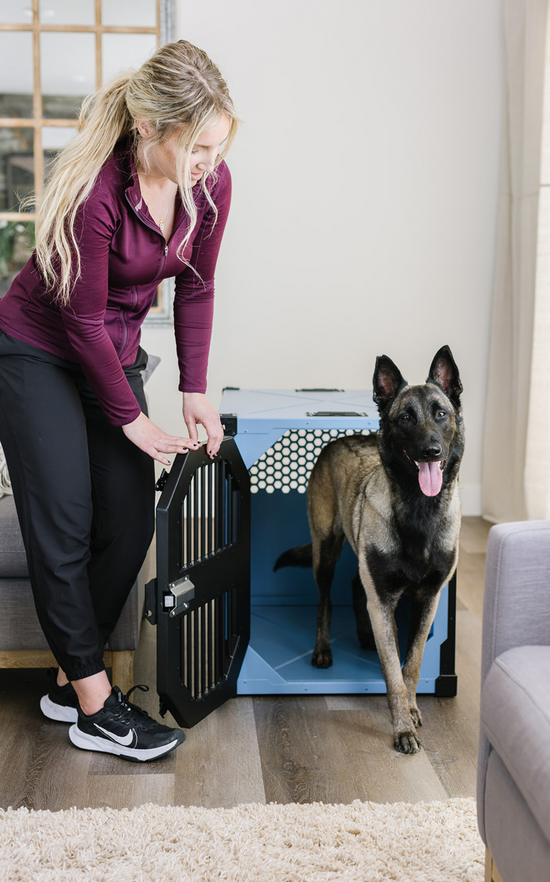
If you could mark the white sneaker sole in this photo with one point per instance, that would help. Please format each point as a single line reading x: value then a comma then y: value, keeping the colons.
x: 58, y: 712
x: 104, y: 745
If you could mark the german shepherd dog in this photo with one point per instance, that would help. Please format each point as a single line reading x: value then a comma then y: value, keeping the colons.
x: 394, y: 497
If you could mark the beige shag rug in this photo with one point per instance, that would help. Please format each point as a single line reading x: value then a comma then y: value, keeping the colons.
x: 361, y: 842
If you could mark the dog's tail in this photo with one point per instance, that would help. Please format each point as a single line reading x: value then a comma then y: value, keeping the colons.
x: 301, y: 556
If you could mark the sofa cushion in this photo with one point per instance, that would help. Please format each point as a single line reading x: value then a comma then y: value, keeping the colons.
x: 515, y: 715
x: 13, y: 561
x: 19, y: 626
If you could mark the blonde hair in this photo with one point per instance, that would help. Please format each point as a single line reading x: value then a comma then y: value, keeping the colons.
x: 180, y: 92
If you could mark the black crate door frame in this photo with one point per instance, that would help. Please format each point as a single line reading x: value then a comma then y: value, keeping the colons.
x: 203, y: 582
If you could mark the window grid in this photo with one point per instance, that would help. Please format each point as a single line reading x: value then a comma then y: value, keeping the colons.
x: 37, y: 121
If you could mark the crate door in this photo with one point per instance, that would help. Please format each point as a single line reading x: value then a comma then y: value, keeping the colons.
x: 203, y: 582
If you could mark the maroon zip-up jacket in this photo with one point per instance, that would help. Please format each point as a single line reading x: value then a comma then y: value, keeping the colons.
x: 124, y: 257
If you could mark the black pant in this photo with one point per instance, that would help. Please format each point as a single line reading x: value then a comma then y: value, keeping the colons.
x: 84, y: 495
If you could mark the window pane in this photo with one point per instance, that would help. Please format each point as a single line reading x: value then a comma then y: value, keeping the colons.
x: 16, y: 11
x: 16, y: 166
x: 53, y: 139
x: 137, y: 13
x: 67, y: 68
x: 16, y: 74
x: 123, y: 51
x: 54, y: 12
x: 16, y: 245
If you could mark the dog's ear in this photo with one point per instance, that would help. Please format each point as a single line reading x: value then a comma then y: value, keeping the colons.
x: 444, y: 373
x: 386, y: 382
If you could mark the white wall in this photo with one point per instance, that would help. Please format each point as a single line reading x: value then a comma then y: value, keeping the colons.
x: 365, y: 196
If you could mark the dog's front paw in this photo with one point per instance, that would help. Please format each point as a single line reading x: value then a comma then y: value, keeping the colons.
x: 322, y: 657
x: 406, y: 742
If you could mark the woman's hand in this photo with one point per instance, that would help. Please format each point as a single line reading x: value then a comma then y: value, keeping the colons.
x: 152, y: 440
x: 197, y: 411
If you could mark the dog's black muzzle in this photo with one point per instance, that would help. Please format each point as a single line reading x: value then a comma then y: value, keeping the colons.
x: 431, y: 453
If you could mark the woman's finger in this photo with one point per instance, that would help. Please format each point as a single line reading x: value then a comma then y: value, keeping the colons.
x: 175, y: 445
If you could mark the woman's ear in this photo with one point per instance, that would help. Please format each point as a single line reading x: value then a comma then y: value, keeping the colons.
x: 145, y: 128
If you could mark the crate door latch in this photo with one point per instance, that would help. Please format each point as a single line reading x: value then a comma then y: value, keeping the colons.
x: 176, y: 600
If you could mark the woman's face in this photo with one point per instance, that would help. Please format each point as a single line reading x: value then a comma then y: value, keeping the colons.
x: 162, y: 158
x: 207, y: 148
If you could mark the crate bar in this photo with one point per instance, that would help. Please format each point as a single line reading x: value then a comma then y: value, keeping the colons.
x: 204, y: 655
x: 196, y: 654
x: 189, y: 527
x: 197, y: 516
x: 228, y: 498
x: 210, y: 512
x: 203, y: 511
x: 220, y: 507
x: 189, y: 651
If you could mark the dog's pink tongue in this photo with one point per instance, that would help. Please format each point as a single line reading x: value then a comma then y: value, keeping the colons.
x: 430, y: 478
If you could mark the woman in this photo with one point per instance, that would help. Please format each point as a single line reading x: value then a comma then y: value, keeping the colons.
x: 140, y: 194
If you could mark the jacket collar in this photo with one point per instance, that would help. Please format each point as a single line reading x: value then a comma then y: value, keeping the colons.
x: 135, y: 197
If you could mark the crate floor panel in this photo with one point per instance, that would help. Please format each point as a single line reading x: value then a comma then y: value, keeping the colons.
x: 278, y: 659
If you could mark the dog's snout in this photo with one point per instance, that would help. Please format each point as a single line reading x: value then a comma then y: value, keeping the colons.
x: 431, y: 452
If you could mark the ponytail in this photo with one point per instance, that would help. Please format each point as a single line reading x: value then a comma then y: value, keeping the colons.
x: 104, y: 119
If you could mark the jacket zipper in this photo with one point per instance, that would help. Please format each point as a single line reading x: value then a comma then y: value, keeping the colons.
x: 145, y: 222
x: 164, y: 258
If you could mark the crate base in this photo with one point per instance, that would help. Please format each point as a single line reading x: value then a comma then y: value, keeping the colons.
x: 278, y: 659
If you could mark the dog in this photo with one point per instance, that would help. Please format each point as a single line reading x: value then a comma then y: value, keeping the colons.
x: 394, y: 497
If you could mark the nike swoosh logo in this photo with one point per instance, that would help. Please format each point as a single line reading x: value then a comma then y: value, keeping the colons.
x: 124, y: 740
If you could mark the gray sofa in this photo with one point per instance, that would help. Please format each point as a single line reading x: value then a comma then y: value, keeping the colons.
x: 22, y: 643
x: 513, y: 799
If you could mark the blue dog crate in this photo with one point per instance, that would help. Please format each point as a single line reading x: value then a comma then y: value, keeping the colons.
x: 230, y: 625
x: 280, y: 435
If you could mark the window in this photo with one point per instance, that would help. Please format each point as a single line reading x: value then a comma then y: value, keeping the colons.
x: 52, y: 54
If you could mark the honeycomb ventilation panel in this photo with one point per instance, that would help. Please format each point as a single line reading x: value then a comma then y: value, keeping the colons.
x: 287, y: 465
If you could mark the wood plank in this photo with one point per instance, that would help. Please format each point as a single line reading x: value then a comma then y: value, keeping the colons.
x: 108, y: 765
x: 451, y: 725
x: 219, y: 764
x: 474, y: 533
x: 295, y: 751
x: 312, y: 752
x: 39, y: 767
x: 471, y: 582
x: 450, y: 729
x: 128, y: 791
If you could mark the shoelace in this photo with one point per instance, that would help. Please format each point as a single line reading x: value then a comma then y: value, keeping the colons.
x: 126, y: 711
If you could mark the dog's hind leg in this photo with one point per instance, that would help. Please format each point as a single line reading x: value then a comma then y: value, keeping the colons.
x: 364, y: 627
x: 423, y: 610
x: 325, y: 556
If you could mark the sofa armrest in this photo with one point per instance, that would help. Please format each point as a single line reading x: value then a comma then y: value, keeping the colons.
x: 516, y: 609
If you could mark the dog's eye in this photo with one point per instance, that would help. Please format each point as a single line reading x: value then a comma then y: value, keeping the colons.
x: 405, y: 417
x: 441, y: 413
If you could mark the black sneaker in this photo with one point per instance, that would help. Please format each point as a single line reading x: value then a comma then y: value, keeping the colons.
x: 61, y: 702
x: 125, y: 730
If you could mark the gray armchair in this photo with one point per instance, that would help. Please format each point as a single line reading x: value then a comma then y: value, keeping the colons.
x: 22, y: 643
x: 513, y: 799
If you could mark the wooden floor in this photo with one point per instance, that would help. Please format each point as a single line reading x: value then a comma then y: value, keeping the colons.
x: 331, y: 749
